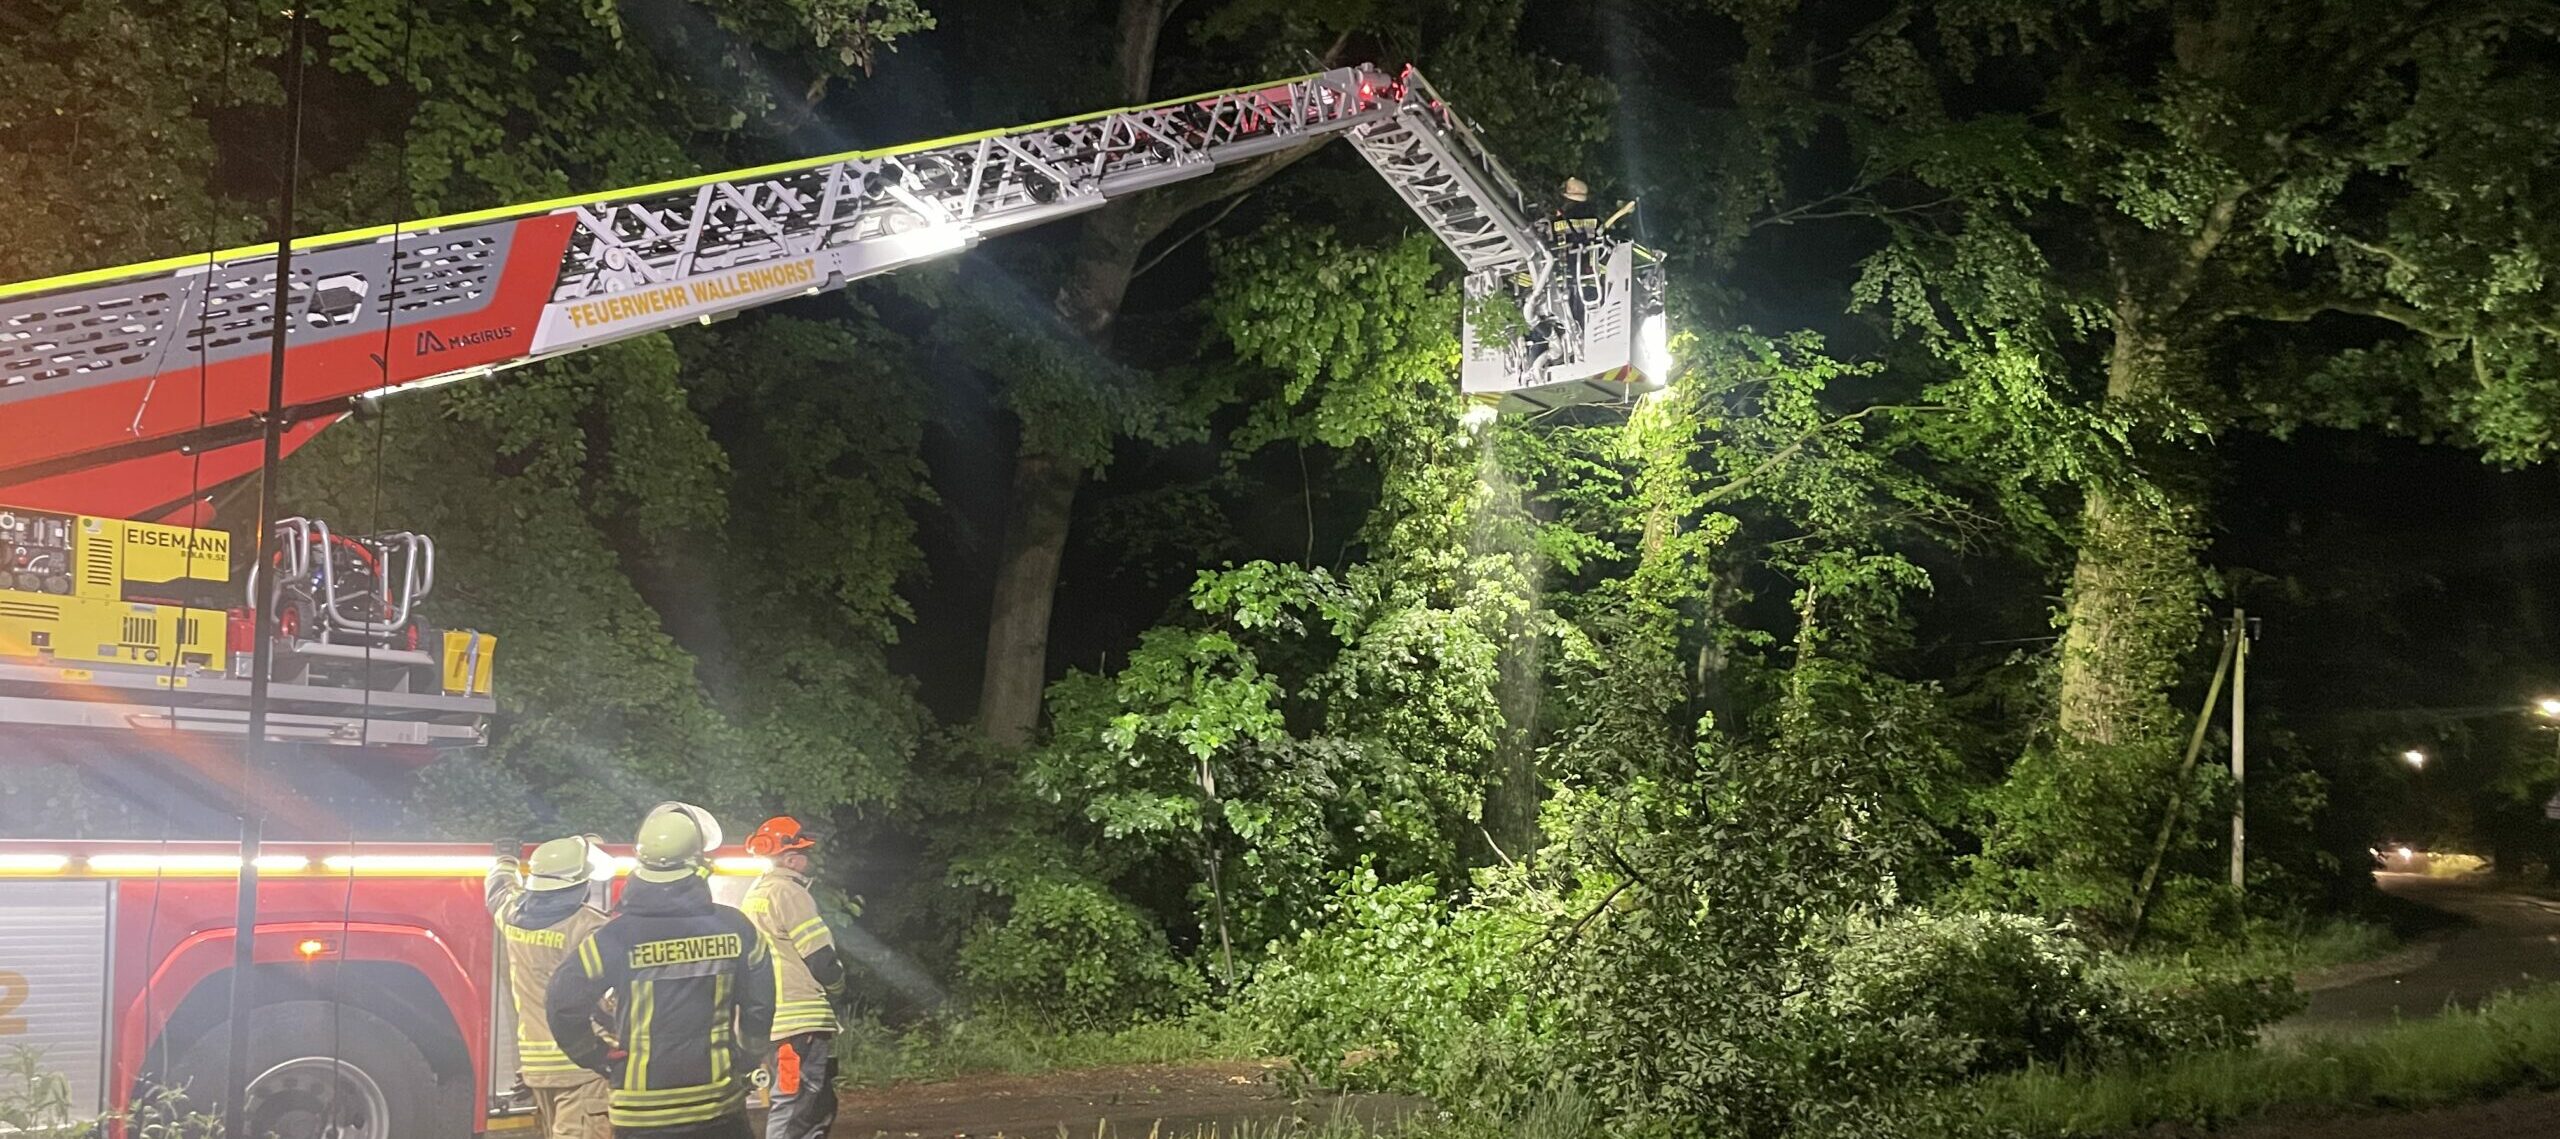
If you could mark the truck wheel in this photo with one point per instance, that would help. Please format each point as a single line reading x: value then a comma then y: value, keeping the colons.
x: 319, y: 1070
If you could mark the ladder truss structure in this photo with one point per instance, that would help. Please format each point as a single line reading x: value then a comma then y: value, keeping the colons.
x: 126, y: 392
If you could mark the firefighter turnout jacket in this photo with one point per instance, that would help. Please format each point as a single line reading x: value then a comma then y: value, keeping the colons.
x: 536, y: 930
x: 692, y: 981
x: 808, y: 976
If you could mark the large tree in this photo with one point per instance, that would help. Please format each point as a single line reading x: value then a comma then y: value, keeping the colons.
x: 2124, y: 229
x: 1068, y: 385
x: 629, y: 520
x: 100, y: 94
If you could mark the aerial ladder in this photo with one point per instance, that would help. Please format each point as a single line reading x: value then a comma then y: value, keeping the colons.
x: 125, y: 392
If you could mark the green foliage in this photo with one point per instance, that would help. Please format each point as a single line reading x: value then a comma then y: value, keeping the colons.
x: 2122, y: 231
x: 1298, y: 720
x: 514, y: 102
x: 1185, y: 756
x: 1352, y: 335
x: 1722, y: 953
x: 593, y: 683
x: 39, y: 1103
x: 35, y: 1102
x: 1933, y: 999
x: 1072, y: 399
x: 100, y: 90
x: 1725, y: 884
x: 1395, y: 989
x: 1068, y: 952
x: 1674, y: 952
x: 1542, y: 115
x: 658, y: 605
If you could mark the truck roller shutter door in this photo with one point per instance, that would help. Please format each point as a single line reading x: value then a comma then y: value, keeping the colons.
x: 53, y: 980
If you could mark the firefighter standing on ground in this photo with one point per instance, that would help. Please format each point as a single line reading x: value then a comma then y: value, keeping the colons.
x: 809, y: 978
x: 542, y: 909
x: 692, y: 982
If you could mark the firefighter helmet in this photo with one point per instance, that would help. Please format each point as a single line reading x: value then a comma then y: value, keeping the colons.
x: 561, y: 863
x: 1576, y: 190
x: 672, y: 841
x: 780, y: 834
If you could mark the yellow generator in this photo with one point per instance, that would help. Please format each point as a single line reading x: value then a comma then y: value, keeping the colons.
x: 74, y: 588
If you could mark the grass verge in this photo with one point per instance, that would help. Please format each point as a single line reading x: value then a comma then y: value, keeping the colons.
x: 2509, y: 1045
x: 2271, y: 948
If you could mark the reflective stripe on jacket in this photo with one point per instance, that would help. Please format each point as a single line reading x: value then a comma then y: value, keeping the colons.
x: 535, y: 931
x: 780, y: 905
x: 691, y: 981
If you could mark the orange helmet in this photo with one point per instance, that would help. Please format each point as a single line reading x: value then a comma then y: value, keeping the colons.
x: 779, y: 834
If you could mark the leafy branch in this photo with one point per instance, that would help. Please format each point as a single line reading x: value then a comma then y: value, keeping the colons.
x: 1785, y: 454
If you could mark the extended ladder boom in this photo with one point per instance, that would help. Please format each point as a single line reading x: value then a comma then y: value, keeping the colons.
x: 107, y: 366
x: 128, y: 391
x: 127, y: 367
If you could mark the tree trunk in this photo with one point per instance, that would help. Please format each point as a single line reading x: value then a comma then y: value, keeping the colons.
x: 2081, y: 813
x: 1515, y: 792
x: 1044, y: 492
x: 1044, y: 483
x: 1035, y: 538
x: 2130, y: 615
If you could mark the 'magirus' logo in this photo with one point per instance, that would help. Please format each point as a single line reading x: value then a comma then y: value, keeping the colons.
x: 429, y: 342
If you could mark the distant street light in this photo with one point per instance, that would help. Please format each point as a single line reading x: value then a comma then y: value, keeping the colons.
x: 2549, y: 708
x: 2414, y: 757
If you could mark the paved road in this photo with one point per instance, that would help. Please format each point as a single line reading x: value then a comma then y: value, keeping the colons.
x: 2513, y: 939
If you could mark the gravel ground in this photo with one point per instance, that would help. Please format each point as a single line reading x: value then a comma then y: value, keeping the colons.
x: 1167, y: 1101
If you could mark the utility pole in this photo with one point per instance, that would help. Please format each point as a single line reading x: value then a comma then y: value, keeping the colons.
x: 2239, y: 747
x: 244, y: 927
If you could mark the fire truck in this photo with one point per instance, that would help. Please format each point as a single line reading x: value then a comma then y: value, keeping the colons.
x: 127, y: 392
x: 382, y: 1010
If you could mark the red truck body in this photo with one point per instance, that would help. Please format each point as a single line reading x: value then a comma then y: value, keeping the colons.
x: 115, y: 961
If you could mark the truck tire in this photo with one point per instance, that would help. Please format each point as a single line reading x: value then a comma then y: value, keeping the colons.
x: 320, y: 1070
